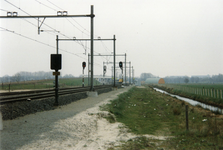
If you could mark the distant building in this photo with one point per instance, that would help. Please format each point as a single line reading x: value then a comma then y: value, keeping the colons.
x: 155, y: 81
x: 161, y: 81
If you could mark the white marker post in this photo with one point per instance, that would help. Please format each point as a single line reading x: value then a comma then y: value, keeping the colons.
x: 1, y: 121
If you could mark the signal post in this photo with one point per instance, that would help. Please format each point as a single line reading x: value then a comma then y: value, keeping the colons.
x: 83, y: 65
x: 121, y: 66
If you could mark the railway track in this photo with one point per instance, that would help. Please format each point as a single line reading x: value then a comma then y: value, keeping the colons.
x: 38, y: 94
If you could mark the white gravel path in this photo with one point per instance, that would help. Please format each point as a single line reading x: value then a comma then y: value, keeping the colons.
x: 69, y: 127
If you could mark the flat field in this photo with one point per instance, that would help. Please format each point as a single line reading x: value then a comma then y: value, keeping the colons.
x: 205, y: 86
x: 146, y: 112
x: 45, y: 84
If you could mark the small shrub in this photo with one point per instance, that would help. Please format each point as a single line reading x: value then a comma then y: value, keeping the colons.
x: 182, y: 103
x: 110, y: 118
x: 176, y: 111
x: 217, y: 112
x: 198, y: 105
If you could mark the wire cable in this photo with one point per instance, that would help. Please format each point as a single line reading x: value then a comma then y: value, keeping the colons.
x: 45, y: 5
x: 40, y: 42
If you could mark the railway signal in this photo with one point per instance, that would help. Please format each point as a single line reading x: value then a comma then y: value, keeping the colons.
x: 56, y: 65
x: 104, y: 70
x: 83, y: 65
x: 120, y: 64
x: 55, y: 62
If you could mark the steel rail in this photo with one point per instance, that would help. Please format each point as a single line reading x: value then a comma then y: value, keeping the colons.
x: 45, y: 94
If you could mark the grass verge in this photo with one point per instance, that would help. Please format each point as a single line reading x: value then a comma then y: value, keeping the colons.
x: 145, y: 111
x: 218, y: 102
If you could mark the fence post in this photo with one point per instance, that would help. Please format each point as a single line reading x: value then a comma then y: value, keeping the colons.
x: 211, y: 92
x: 217, y: 94
x: 187, y: 117
x: 221, y: 94
x: 214, y: 92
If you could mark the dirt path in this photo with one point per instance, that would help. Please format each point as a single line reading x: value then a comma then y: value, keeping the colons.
x: 74, y: 126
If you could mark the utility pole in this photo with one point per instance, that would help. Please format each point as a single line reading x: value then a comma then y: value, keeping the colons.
x: 56, y: 77
x: 92, y: 47
x: 63, y: 14
x: 130, y: 72
x: 125, y: 68
x: 117, y: 63
x: 114, y: 60
x: 59, y: 15
x: 132, y: 75
x: 90, y: 56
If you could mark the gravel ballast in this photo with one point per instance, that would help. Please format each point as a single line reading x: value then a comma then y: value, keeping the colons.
x: 73, y: 126
x: 18, y: 109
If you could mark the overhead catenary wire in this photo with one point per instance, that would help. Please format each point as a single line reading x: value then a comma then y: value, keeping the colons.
x: 22, y: 18
x: 80, y: 42
x: 40, y: 21
x: 88, y: 34
x: 45, y: 25
x: 45, y: 5
x: 54, y: 4
x: 51, y: 46
x: 40, y: 42
x: 36, y: 18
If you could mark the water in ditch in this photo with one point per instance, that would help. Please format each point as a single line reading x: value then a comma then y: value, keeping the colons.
x: 193, y: 102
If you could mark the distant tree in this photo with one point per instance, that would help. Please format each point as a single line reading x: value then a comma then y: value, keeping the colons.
x: 144, y: 76
x: 70, y: 76
x: 5, y: 79
x: 17, y: 77
x: 186, y: 80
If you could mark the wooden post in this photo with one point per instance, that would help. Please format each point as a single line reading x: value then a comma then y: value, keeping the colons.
x: 186, y: 107
x: 211, y: 92
x: 214, y: 93
x: 217, y: 94
x: 221, y: 93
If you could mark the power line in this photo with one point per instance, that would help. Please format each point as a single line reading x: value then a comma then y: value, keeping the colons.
x: 67, y: 20
x: 80, y: 42
x: 40, y: 42
x: 45, y: 24
x: 23, y: 18
x: 45, y: 44
x: 3, y: 10
x: 54, y: 5
x: 35, y: 18
x: 45, y: 5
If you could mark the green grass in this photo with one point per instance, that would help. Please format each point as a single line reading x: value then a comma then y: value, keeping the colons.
x: 145, y: 111
x: 206, y: 86
x: 216, y: 101
x: 46, y: 84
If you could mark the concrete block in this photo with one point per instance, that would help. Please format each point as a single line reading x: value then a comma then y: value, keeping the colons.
x: 92, y: 93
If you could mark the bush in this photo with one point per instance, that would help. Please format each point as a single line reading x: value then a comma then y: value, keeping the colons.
x: 176, y: 111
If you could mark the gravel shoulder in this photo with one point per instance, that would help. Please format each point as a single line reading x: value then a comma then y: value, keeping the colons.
x: 74, y: 126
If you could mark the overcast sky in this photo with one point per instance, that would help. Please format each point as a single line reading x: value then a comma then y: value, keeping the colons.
x: 162, y: 37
